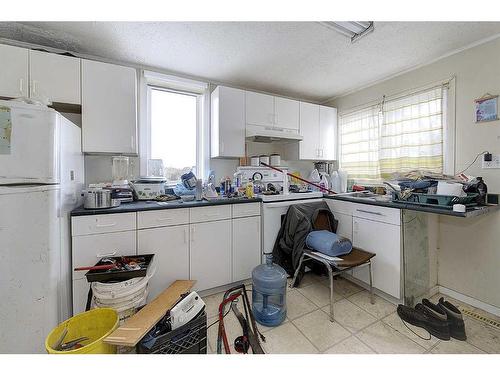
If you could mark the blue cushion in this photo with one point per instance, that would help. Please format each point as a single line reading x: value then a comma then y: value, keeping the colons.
x: 328, y: 243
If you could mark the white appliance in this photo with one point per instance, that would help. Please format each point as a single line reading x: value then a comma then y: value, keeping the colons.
x: 41, y: 176
x: 274, y: 207
x: 186, y: 310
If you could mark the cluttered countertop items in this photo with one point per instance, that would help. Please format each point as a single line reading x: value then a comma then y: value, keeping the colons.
x: 461, y: 196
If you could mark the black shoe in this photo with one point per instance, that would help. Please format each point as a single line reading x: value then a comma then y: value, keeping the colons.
x: 421, y: 317
x: 455, y: 320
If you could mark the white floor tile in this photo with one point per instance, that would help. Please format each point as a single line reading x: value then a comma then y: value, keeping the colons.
x: 380, y: 309
x: 350, y: 316
x: 319, y: 294
x: 396, y: 323
x: 383, y: 339
x: 318, y: 328
x: 351, y: 345
x: 287, y: 339
x: 298, y: 305
x: 483, y: 336
x: 455, y: 347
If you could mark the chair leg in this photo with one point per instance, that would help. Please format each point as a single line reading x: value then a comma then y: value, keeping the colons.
x: 297, y: 270
x: 330, y: 277
x: 372, y: 301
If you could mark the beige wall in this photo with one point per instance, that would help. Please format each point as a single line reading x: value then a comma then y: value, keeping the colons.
x: 469, y: 249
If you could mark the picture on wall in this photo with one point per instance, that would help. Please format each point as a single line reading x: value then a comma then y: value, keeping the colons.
x: 486, y: 108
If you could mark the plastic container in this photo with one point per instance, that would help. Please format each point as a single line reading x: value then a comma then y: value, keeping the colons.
x: 269, y: 293
x: 95, y: 324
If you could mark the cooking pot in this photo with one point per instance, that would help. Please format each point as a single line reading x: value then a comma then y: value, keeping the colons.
x: 97, y: 198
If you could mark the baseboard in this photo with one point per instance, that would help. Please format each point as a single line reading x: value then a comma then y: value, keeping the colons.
x: 434, y: 290
x: 470, y: 301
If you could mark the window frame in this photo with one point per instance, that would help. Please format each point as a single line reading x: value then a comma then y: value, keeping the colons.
x: 157, y: 81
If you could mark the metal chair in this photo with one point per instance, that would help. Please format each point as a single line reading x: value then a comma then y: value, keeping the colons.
x: 356, y: 258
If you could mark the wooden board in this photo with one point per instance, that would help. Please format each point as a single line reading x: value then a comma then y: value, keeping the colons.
x: 136, y: 327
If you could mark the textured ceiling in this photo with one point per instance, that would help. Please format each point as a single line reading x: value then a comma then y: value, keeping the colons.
x: 298, y: 59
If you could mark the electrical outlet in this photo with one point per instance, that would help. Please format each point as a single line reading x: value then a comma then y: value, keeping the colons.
x: 493, y: 164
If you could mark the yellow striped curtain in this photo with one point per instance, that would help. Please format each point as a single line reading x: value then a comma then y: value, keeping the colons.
x: 404, y: 135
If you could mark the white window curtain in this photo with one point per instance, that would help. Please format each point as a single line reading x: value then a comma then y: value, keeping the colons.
x: 359, y: 144
x: 400, y: 135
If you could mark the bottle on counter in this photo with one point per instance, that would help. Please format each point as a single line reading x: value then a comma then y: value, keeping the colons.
x: 198, y: 192
x: 482, y: 190
x: 249, y: 189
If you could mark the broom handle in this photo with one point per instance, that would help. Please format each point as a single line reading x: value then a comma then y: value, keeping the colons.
x: 299, y: 178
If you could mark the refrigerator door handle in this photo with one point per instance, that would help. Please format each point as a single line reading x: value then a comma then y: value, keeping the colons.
x: 106, y: 255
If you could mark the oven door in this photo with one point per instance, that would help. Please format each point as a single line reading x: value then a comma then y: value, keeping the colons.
x: 272, y: 216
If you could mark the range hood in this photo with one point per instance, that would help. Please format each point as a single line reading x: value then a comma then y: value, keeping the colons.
x: 263, y: 134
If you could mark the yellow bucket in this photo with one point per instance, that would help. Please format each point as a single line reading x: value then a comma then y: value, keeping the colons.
x: 95, y: 324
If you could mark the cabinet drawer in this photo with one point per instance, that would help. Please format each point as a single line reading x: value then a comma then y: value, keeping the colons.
x: 342, y: 207
x: 162, y: 218
x: 377, y: 213
x: 246, y: 209
x: 95, y: 224
x: 87, y: 250
x: 211, y: 213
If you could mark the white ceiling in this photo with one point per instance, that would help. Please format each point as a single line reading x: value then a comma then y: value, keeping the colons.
x: 298, y: 59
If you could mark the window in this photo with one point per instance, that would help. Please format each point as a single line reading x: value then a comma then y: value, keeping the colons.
x: 400, y: 135
x: 173, y: 131
x: 175, y: 125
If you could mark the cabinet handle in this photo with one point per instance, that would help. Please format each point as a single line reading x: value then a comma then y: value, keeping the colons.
x: 34, y: 87
x: 106, y: 255
x: 21, y: 85
x: 132, y: 139
x: 160, y: 219
x: 105, y: 225
x: 370, y: 212
x: 192, y: 234
x: 185, y: 235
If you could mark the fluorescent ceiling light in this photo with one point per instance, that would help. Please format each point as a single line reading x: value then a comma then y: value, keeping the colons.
x: 352, y: 29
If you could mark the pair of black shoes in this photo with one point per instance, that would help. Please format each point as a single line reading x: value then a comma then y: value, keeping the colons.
x: 442, y: 320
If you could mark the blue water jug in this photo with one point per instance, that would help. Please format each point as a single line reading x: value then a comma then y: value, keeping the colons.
x: 269, y: 293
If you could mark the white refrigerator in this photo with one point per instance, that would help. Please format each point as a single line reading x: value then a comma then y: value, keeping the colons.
x: 41, y: 177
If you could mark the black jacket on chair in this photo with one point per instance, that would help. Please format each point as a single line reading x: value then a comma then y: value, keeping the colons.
x: 295, y: 227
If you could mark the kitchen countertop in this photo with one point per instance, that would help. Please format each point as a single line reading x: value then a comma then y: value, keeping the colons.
x: 153, y: 205
x: 473, y: 211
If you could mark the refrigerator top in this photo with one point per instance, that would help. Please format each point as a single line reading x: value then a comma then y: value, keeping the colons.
x: 18, y: 103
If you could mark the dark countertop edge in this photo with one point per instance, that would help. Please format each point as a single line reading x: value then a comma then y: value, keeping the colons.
x: 411, y: 207
x: 152, y: 205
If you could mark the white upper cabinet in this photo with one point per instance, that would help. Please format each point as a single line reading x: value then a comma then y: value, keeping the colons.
x: 309, y: 130
x: 109, y: 108
x: 13, y: 71
x: 272, y: 111
x: 318, y: 127
x: 286, y: 113
x: 259, y: 109
x: 55, y: 78
x: 327, y: 132
x: 228, y: 122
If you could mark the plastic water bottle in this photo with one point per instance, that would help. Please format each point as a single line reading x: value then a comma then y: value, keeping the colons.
x: 269, y: 293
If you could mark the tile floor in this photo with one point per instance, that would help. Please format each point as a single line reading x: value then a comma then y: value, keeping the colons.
x: 359, y: 327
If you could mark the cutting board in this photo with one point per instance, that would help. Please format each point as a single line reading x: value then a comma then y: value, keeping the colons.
x: 136, y: 327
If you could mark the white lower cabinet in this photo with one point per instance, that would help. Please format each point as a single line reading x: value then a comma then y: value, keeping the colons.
x: 88, y: 249
x: 210, y: 255
x: 384, y: 240
x: 171, y: 261
x: 246, y: 247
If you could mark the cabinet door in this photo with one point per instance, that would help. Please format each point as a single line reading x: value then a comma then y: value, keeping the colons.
x: 259, y: 109
x: 344, y: 227
x: 109, y: 108
x: 87, y: 250
x: 287, y: 113
x: 210, y: 254
x: 13, y: 71
x: 55, y: 77
x: 246, y: 247
x: 228, y: 122
x: 309, y: 129
x: 327, y: 132
x: 171, y: 248
x: 383, y: 240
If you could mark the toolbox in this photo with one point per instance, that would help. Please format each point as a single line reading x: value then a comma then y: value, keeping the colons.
x: 120, y: 274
